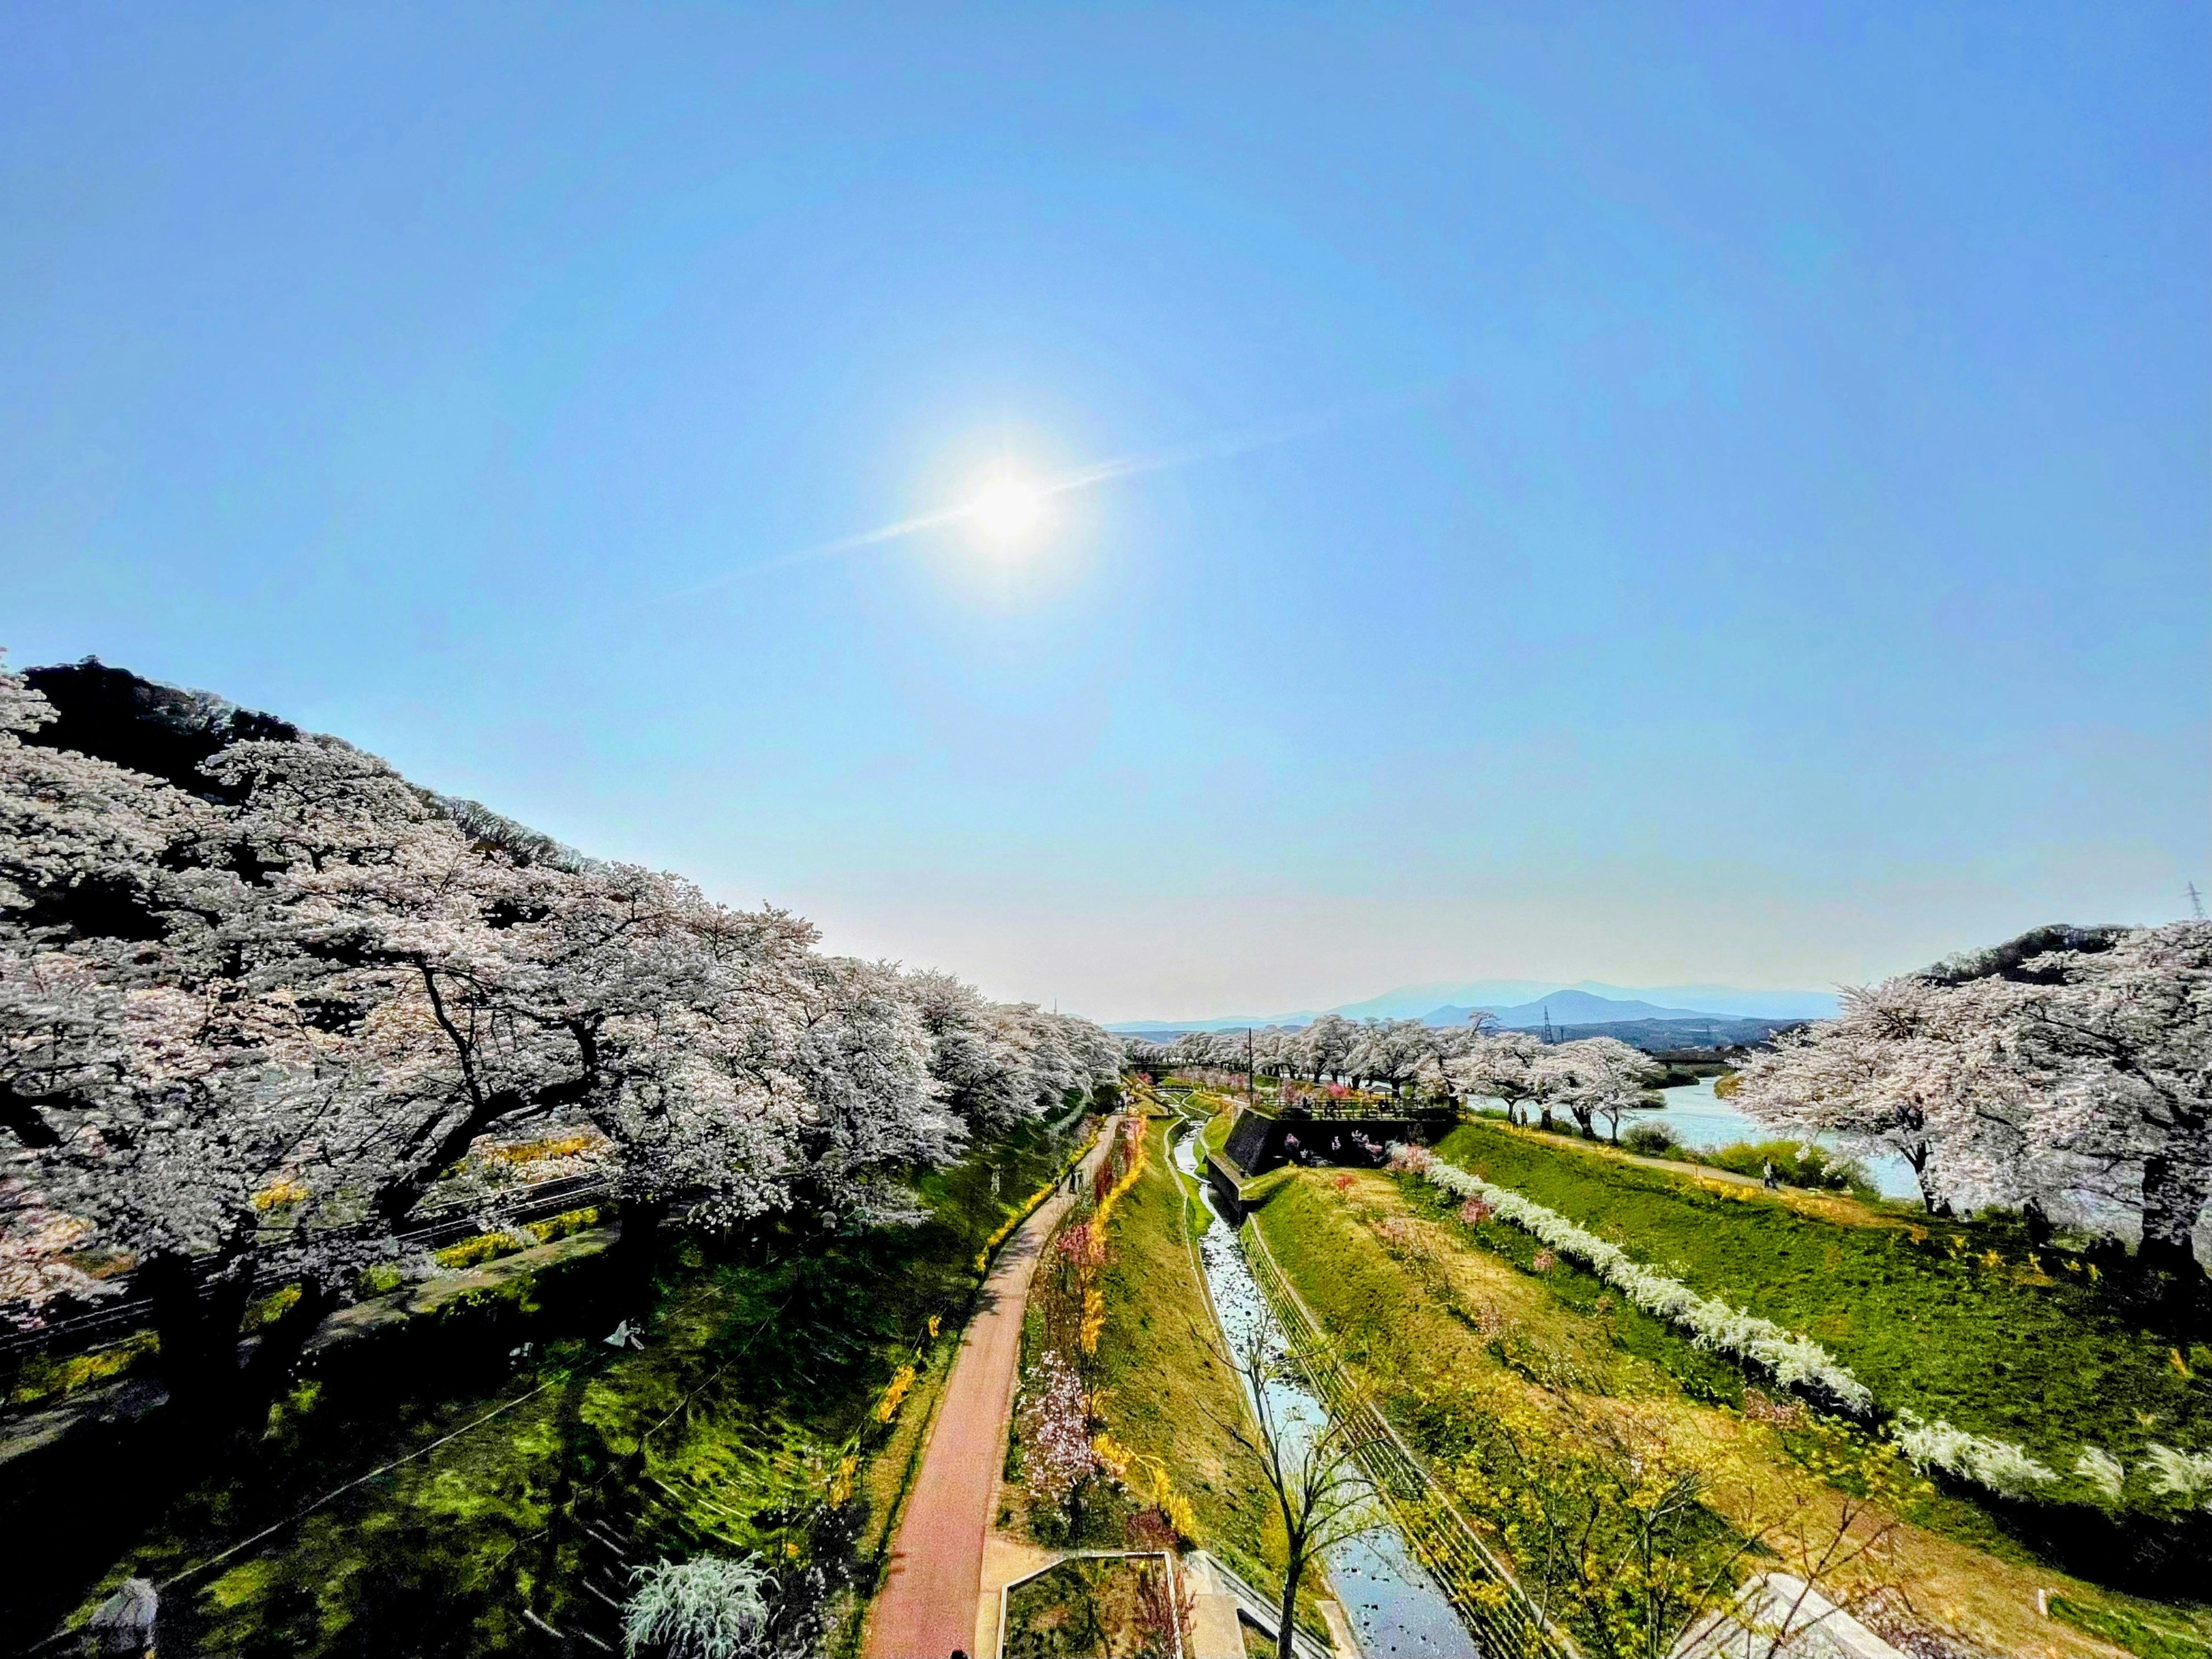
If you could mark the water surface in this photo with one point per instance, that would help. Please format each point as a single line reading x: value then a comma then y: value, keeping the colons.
x: 1701, y: 1120
x: 1396, y: 1610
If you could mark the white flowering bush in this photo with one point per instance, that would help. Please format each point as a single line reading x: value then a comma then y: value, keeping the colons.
x: 1054, y: 1428
x: 2103, y: 1472
x: 1795, y: 1361
x: 2000, y: 1465
x: 2186, y: 1476
x: 709, y: 1608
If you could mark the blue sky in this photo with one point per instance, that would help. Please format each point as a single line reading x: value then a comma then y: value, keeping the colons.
x: 1750, y: 526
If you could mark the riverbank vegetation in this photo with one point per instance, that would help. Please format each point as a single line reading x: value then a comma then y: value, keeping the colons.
x: 1527, y: 1382
x: 1163, y: 1384
x: 1969, y: 1323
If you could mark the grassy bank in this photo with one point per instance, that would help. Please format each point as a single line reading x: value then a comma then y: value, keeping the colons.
x: 766, y: 1360
x: 1951, y: 1320
x: 1162, y: 1384
x: 1465, y: 1347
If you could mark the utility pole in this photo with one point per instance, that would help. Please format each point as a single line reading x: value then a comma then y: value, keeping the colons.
x: 2196, y: 901
x: 1250, y: 1094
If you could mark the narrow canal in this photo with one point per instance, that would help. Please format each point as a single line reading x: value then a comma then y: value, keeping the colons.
x: 1396, y: 1610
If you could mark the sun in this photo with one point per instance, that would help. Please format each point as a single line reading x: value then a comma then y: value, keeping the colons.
x: 1007, y: 510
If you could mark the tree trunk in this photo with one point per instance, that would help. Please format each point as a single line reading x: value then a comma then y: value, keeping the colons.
x: 2174, y: 1195
x: 631, y: 1258
x: 1919, y: 1159
x: 195, y: 1318
x: 1292, y: 1573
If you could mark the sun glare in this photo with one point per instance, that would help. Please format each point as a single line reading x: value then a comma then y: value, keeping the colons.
x: 1008, y: 511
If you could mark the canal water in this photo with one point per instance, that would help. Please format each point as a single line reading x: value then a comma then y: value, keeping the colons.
x: 1396, y: 1609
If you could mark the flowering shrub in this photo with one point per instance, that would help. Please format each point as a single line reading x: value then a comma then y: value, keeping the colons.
x: 1545, y: 1261
x: 2183, y: 1475
x: 902, y: 1384
x: 1409, y: 1160
x: 1474, y: 1212
x: 2099, y: 1469
x: 709, y: 1608
x: 1055, y: 1425
x: 1997, y: 1464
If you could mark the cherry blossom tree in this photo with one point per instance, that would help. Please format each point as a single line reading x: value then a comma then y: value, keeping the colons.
x: 1912, y: 1068
x: 247, y: 1026
x: 1505, y: 1065
x: 1321, y: 1049
x: 2064, y: 1068
x: 1598, y: 1077
x: 2111, y: 1036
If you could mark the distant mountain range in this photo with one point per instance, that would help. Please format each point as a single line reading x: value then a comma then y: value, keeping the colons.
x: 1524, y: 1005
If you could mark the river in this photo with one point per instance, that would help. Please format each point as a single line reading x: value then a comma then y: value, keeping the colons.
x: 1701, y: 1120
x: 1395, y: 1606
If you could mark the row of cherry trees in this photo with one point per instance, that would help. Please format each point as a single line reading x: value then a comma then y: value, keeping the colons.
x: 255, y: 1015
x: 1402, y: 1053
x: 2067, y: 1072
x: 1592, y: 1080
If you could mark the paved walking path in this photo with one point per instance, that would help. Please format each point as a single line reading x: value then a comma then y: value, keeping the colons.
x: 929, y: 1604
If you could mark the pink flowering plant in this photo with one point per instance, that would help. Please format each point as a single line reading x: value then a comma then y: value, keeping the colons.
x: 1054, y: 1424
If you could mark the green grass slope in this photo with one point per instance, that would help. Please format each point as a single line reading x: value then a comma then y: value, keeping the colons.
x: 1162, y: 1385
x: 1950, y: 1320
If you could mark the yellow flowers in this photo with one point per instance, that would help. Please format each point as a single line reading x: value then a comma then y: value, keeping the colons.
x: 1128, y: 1180
x: 902, y: 1384
x: 484, y: 1247
x: 935, y: 1321
x: 533, y: 1151
x: 840, y: 1484
x: 286, y: 1190
x: 1094, y: 1317
x: 1180, y: 1515
x: 1119, y: 1460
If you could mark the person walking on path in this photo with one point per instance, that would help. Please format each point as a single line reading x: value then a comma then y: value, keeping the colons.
x: 928, y: 1606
